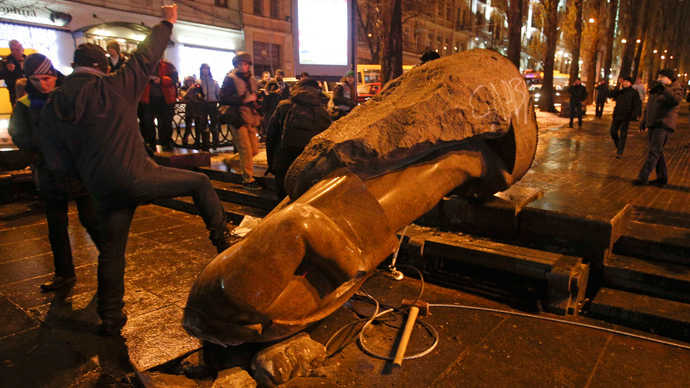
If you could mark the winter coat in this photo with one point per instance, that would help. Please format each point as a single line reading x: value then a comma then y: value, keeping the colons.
x: 89, y: 125
x: 236, y: 87
x: 24, y: 130
x: 662, y: 107
x: 344, y: 96
x: 11, y: 77
x: 578, y: 93
x: 168, y: 74
x: 210, y: 89
x: 293, y: 124
x: 628, y: 104
x: 602, y: 93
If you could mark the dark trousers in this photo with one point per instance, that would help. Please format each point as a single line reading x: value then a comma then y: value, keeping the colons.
x: 209, y: 112
x: 56, y: 215
x: 599, y: 109
x: 157, y: 109
x: 655, y: 156
x: 619, y: 134
x: 576, y: 111
x: 116, y: 217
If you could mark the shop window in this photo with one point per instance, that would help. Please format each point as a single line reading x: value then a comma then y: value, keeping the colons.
x: 221, y: 3
x: 275, y: 9
x: 259, y: 7
x: 266, y: 57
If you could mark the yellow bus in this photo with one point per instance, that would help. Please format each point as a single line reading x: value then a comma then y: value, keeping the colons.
x: 369, y: 80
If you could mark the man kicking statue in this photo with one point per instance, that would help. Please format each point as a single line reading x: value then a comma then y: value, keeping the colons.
x: 92, y: 132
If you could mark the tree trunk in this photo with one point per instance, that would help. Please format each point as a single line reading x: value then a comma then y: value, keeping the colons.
x: 391, y: 60
x: 575, y: 64
x: 644, y: 33
x: 629, y: 52
x: 592, y: 55
x: 551, y: 32
x: 610, y: 37
x: 514, y: 28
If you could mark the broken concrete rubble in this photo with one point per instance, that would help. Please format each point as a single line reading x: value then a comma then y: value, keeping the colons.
x: 295, y: 357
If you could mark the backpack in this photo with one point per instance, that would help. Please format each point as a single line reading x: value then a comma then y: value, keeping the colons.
x: 302, y: 122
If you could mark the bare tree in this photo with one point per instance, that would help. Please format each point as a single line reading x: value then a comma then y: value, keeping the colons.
x: 551, y: 32
x: 632, y: 11
x: 515, y: 20
x: 593, y: 36
x: 575, y: 65
x: 610, y: 37
x: 391, y: 60
x: 370, y: 25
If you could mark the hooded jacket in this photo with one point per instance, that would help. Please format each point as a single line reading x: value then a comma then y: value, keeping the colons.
x: 628, y: 105
x: 662, y: 107
x: 89, y: 125
x: 293, y: 124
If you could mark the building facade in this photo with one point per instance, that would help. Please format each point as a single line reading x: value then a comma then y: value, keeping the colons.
x: 208, y: 31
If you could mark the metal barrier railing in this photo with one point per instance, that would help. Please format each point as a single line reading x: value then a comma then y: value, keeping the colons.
x: 186, y: 135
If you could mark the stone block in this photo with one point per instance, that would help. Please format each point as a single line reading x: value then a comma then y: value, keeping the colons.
x: 234, y: 378
x: 295, y: 357
x: 183, y: 159
x: 162, y: 380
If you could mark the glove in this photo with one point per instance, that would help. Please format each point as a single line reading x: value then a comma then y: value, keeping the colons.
x: 657, y: 88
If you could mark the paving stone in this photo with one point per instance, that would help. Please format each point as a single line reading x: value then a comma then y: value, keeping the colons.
x: 296, y: 356
x: 23, y: 233
x: 527, y: 352
x: 27, y: 293
x: 13, y: 319
x: 157, y: 337
x: 234, y: 378
x: 629, y: 362
x: 22, y: 249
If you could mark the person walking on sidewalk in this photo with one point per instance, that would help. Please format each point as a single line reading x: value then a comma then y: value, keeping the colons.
x: 602, y: 95
x: 90, y: 129
x: 660, y: 119
x: 239, y: 109
x: 578, y: 94
x: 627, y: 109
x: 55, y: 191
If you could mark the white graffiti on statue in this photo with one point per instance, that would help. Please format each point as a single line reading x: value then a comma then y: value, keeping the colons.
x: 512, y: 92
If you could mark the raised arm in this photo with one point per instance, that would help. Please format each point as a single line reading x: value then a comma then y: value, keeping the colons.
x: 131, y: 79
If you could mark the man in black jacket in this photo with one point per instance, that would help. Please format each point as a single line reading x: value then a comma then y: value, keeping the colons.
x: 602, y: 96
x: 11, y: 68
x: 578, y: 94
x: 293, y: 124
x: 660, y: 118
x: 90, y: 129
x: 628, y: 107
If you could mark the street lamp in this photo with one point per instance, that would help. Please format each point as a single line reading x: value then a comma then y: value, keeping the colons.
x: 591, y: 20
x: 638, y: 41
x: 663, y: 57
x: 624, y: 41
x: 655, y: 51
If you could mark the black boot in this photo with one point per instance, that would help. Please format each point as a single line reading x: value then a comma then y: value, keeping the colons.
x: 221, y: 240
x: 58, y: 282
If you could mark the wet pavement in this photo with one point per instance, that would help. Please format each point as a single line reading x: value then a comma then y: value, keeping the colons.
x: 50, y: 340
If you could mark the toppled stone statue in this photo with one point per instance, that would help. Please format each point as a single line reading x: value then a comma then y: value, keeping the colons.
x: 463, y: 123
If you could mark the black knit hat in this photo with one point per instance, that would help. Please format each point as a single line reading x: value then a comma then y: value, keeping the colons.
x: 629, y: 79
x: 668, y: 73
x: 38, y: 64
x: 91, y: 55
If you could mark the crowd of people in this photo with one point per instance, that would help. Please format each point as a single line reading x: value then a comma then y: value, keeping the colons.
x: 659, y: 117
x: 91, y: 135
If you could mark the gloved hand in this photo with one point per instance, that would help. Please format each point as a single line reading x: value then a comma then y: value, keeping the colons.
x: 657, y: 87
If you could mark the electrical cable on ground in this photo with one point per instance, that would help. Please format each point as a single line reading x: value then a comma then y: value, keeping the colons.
x: 377, y: 314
